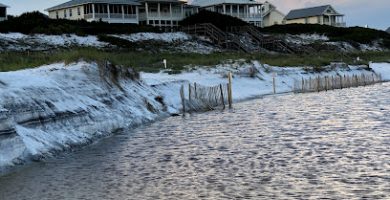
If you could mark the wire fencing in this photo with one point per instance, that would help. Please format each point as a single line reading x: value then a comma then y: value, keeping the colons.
x: 325, y: 83
x: 200, y: 98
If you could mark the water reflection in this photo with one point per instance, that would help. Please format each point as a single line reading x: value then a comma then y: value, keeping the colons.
x: 331, y: 145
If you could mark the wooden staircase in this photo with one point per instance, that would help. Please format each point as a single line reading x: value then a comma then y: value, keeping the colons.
x: 217, y: 36
x: 265, y: 42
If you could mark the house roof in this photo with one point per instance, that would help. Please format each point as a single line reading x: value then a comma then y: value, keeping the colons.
x: 205, y: 3
x: 81, y: 2
x: 169, y: 1
x: 388, y: 30
x: 309, y: 12
x: 3, y: 6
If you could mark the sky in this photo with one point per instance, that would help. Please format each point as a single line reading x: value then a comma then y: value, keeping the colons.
x: 374, y: 13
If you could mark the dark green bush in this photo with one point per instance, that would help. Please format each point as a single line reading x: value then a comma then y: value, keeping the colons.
x: 219, y: 20
x: 355, y: 34
x: 117, y: 41
x: 36, y: 22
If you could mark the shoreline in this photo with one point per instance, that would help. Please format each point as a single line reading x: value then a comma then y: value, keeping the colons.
x: 70, y: 115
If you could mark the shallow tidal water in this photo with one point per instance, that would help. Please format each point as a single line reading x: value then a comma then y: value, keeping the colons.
x: 328, y: 145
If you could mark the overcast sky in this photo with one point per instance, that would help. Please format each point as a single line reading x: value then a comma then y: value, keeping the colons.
x: 374, y: 13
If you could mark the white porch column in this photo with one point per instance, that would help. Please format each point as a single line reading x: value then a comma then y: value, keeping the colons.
x: 93, y: 11
x: 123, y: 13
x: 159, y: 14
x: 170, y: 12
x: 238, y: 11
x: 231, y: 9
x: 247, y: 11
x: 137, y: 14
x: 224, y: 9
x: 182, y: 10
x: 108, y: 11
x: 147, y: 13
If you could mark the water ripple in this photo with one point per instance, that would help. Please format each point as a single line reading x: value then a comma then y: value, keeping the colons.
x: 329, y: 145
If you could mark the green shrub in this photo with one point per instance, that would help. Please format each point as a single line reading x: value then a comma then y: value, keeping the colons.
x: 219, y: 20
x: 117, y: 41
x: 36, y: 22
x: 152, y: 62
x: 355, y: 34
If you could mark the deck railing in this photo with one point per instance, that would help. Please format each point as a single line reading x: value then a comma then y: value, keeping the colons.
x: 111, y: 16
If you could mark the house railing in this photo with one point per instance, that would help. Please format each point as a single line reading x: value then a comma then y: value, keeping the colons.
x: 165, y: 14
x: 130, y: 16
x: 246, y: 16
x: 338, y: 24
x: 111, y: 16
x: 101, y: 15
x: 116, y: 15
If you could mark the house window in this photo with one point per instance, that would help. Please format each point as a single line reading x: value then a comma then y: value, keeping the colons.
x: 78, y: 11
x: 64, y: 13
x: 57, y: 15
x: 319, y: 19
x: 70, y: 12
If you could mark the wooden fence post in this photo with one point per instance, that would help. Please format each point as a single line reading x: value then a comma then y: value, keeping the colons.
x: 195, y: 92
x: 318, y: 83
x: 273, y: 82
x: 326, y: 83
x: 230, y: 98
x: 222, y: 99
x: 189, y: 92
x: 183, y: 99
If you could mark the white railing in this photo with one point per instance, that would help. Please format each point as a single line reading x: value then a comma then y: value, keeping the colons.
x: 130, y: 16
x: 336, y: 24
x: 246, y: 16
x: 339, y: 24
x: 101, y: 15
x: 112, y: 16
x: 116, y: 15
x: 164, y: 15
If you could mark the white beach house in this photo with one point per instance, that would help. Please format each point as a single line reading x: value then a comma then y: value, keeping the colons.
x: 324, y: 15
x: 161, y: 13
x: 111, y: 11
x: 271, y: 15
x: 164, y: 13
x: 247, y: 10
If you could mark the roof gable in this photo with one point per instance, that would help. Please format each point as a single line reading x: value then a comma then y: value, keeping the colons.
x: 310, y: 12
x: 205, y: 3
x: 388, y: 30
x: 3, y: 6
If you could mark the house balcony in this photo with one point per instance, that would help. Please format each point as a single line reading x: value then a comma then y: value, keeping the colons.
x: 338, y: 24
x: 112, y: 17
x: 162, y: 16
x: 335, y: 24
x: 247, y: 16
